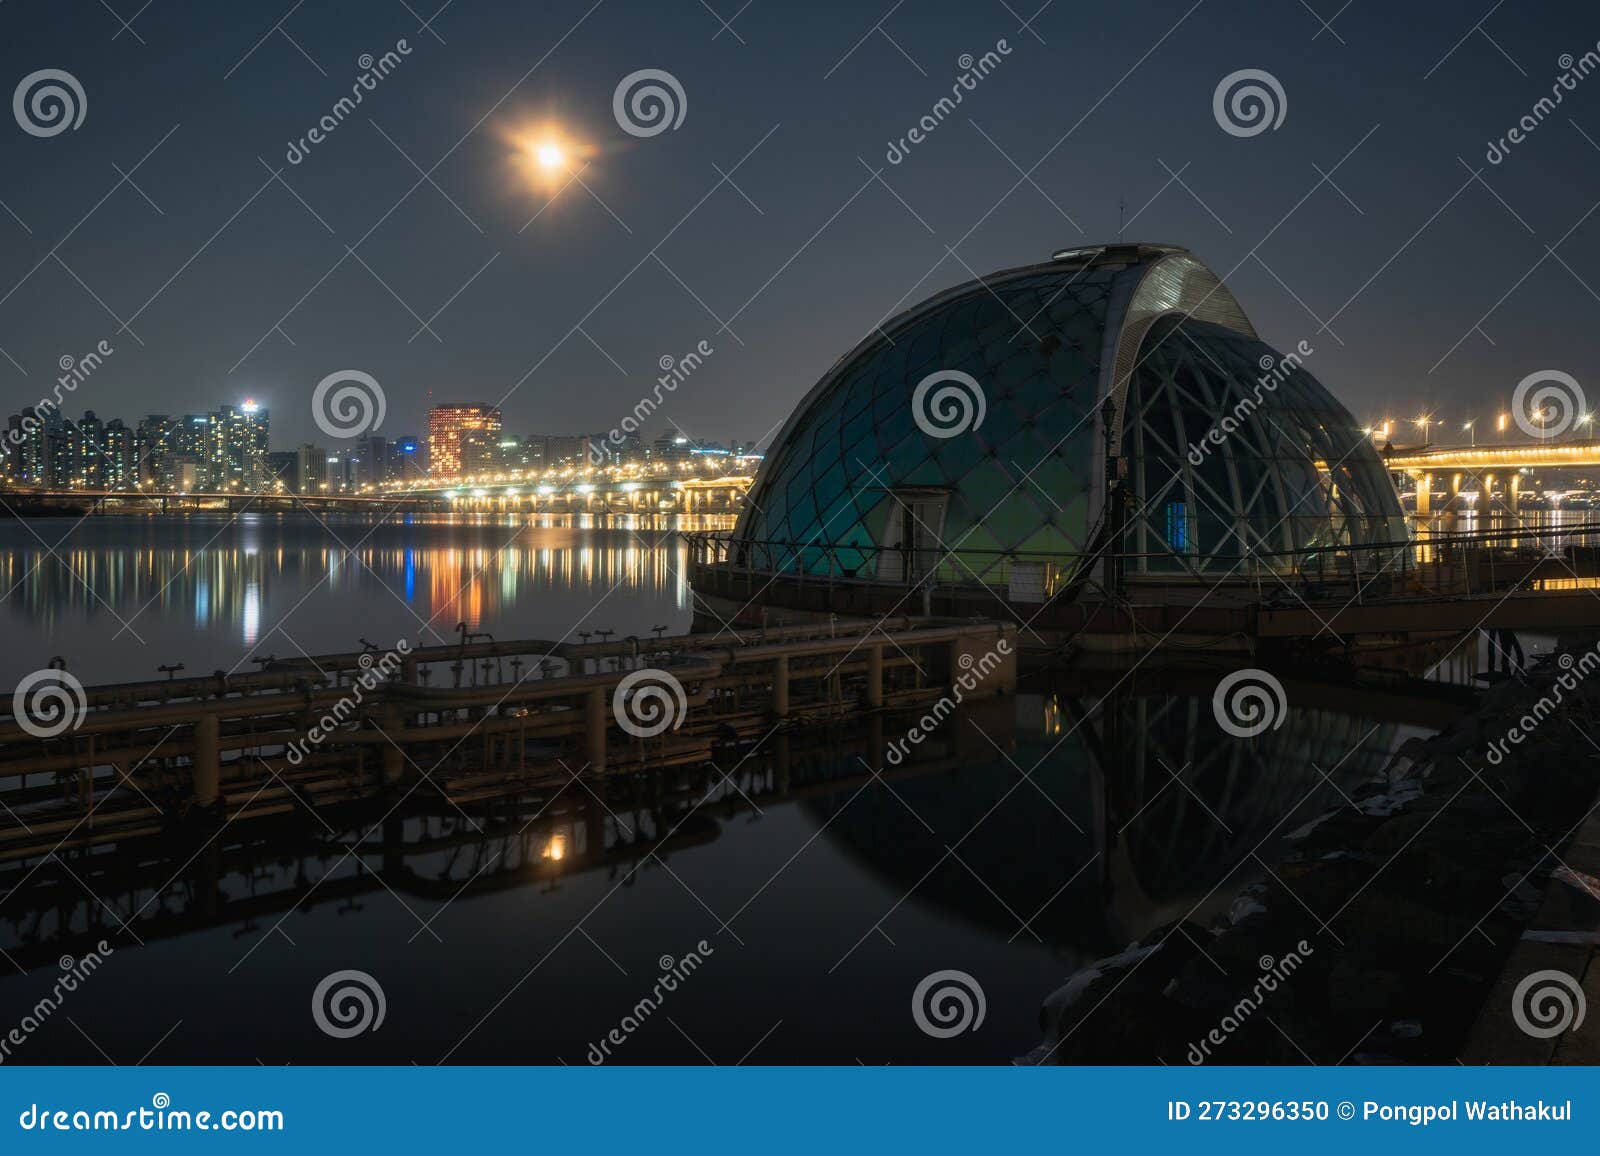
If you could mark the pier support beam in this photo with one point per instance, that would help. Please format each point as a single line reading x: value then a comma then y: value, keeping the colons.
x: 595, y: 709
x: 875, y: 676
x: 207, y: 759
x: 780, y: 687
x: 394, y: 759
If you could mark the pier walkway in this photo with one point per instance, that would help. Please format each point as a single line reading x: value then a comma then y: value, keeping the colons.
x: 478, y: 720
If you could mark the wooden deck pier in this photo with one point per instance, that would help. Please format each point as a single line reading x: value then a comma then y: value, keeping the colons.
x: 474, y: 721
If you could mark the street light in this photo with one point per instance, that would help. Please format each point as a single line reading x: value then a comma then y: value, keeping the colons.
x: 1423, y: 423
x: 1467, y: 427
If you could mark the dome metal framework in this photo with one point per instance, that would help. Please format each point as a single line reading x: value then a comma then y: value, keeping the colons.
x: 1130, y: 362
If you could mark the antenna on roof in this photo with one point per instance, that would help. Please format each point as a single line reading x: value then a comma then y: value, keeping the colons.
x: 1122, y: 205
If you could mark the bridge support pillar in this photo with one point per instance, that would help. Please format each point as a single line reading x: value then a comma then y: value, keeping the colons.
x: 1514, y: 493
x: 207, y: 759
x: 1424, y: 494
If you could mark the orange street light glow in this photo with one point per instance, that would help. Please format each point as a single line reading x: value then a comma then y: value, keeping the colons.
x: 550, y: 156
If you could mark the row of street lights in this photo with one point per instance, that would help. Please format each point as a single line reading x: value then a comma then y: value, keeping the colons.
x: 1426, y: 422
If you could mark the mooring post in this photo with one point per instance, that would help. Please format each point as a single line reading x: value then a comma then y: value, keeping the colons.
x: 874, y: 676
x: 594, y: 718
x: 207, y: 760
x: 780, y: 687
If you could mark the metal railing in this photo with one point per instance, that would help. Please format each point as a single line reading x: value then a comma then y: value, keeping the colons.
x: 1430, y: 563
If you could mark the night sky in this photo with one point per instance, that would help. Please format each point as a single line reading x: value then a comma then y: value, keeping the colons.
x: 1442, y: 288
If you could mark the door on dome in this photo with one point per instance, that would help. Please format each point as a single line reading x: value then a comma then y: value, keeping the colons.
x: 912, y: 536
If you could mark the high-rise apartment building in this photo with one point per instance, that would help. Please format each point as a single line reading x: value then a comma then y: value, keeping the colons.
x: 449, y: 426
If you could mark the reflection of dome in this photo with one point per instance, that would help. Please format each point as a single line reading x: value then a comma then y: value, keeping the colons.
x: 1149, y: 328
x: 1137, y: 815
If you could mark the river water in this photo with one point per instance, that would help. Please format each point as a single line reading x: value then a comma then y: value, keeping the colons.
x: 813, y: 896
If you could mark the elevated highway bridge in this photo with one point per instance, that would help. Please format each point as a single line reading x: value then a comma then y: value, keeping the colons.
x: 1476, y: 468
x: 579, y: 494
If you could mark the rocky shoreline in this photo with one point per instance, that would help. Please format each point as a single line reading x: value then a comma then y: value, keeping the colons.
x: 1380, y: 936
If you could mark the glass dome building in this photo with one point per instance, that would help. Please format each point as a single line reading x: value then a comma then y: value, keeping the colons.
x: 1016, y: 430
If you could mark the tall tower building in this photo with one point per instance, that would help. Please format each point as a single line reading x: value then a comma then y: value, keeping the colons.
x: 449, y: 426
x: 237, y: 454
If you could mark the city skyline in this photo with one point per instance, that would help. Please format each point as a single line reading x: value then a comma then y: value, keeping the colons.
x: 777, y: 203
x: 230, y: 449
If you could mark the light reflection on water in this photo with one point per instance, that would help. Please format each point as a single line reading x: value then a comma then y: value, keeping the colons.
x: 837, y: 885
x: 119, y: 597
x: 826, y: 890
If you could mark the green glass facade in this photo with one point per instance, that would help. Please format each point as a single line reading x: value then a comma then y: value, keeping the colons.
x: 854, y: 476
x: 1289, y: 473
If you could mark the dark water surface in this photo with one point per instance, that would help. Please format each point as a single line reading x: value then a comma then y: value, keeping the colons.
x: 119, y: 597
x: 1024, y: 839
